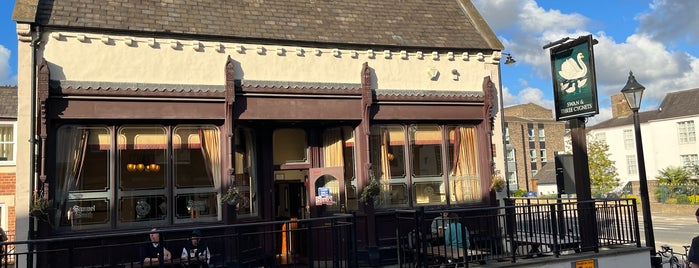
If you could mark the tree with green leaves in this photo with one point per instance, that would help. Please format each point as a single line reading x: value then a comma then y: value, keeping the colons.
x: 674, y: 175
x: 603, y: 175
x: 675, y: 185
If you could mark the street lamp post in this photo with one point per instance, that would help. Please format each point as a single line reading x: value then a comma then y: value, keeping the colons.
x: 633, y: 92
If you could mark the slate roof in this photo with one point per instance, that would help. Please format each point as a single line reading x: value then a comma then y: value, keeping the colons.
x: 547, y: 174
x: 679, y: 103
x: 675, y: 104
x: 8, y: 102
x: 439, y: 24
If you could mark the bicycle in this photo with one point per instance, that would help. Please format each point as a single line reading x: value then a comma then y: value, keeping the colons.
x: 672, y: 258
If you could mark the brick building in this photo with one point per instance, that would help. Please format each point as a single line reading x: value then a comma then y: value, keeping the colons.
x: 8, y: 149
x: 532, y: 139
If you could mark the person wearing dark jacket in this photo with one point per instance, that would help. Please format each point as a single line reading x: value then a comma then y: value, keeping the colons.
x: 196, y: 253
x: 153, y: 250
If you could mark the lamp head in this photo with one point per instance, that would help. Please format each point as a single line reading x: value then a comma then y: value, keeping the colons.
x: 509, y: 60
x: 633, y: 92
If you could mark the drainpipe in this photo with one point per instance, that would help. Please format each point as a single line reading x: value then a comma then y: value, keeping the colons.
x: 502, y: 127
x: 36, y: 42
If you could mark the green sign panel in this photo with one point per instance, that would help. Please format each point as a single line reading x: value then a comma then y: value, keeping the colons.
x: 574, y: 83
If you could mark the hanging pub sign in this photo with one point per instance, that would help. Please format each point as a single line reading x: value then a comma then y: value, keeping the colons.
x: 574, y: 82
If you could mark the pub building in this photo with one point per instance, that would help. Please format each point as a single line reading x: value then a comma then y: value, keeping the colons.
x: 146, y: 114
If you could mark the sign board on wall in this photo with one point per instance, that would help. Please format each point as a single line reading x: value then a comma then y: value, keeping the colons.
x: 574, y: 81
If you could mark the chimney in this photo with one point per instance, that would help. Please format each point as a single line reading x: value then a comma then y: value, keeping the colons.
x: 619, y: 106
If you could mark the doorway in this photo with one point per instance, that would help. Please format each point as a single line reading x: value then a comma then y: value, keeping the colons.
x: 290, y: 200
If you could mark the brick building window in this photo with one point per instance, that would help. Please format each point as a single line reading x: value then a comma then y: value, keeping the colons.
x: 8, y: 143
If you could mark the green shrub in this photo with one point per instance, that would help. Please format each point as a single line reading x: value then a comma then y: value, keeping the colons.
x: 671, y: 201
x: 683, y: 199
x: 519, y: 193
x: 638, y: 199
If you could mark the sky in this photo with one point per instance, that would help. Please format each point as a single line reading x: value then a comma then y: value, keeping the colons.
x: 656, y: 39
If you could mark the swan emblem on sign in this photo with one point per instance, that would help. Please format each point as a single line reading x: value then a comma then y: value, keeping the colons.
x: 574, y: 73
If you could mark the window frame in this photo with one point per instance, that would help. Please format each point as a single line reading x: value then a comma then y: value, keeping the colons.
x: 689, y: 160
x: 409, y: 178
x: 628, y: 139
x: 686, y: 132
x: 542, y: 134
x: 13, y: 143
x: 115, y: 194
x: 631, y: 165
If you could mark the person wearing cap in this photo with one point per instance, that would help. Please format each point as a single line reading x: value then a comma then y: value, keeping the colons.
x: 152, y: 251
x: 196, y: 253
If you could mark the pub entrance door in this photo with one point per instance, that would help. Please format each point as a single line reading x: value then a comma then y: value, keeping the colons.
x: 290, y: 199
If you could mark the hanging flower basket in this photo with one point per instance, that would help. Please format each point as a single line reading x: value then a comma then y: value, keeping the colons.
x: 231, y: 197
x: 370, y: 192
x: 498, y: 183
x: 40, y: 207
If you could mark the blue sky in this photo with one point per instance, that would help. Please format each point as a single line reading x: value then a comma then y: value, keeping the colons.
x: 656, y: 39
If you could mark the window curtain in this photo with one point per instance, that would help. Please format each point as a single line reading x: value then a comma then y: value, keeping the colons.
x: 333, y: 157
x: 332, y: 148
x: 211, y: 151
x: 385, y: 166
x: 464, y: 173
x: 73, y: 143
x: 248, y: 165
x: 6, y: 143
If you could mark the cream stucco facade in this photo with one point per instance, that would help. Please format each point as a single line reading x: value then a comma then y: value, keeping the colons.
x: 195, y: 64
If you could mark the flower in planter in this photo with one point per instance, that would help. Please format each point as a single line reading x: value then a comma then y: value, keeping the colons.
x: 231, y: 197
x: 370, y: 191
x: 498, y: 183
x: 40, y: 206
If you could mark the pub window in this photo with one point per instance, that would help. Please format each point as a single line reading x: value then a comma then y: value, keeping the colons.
x: 245, y: 171
x: 83, y: 164
x: 290, y: 146
x: 338, y: 151
x: 464, y: 175
x: 147, y: 158
x: 430, y: 182
x: 388, y: 164
x: 426, y: 164
x: 197, y: 171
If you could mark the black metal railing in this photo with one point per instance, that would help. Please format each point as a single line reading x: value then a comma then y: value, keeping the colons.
x: 316, y: 242
x: 525, y: 228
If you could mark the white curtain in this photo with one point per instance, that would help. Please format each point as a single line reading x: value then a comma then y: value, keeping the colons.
x: 211, y: 151
x: 72, y: 142
x: 464, y: 174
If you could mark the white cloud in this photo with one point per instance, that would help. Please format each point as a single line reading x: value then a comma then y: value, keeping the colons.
x: 507, y: 98
x: 527, y: 95
x: 604, y: 115
x: 534, y: 95
x: 524, y: 27
x: 671, y: 20
x: 5, y: 70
